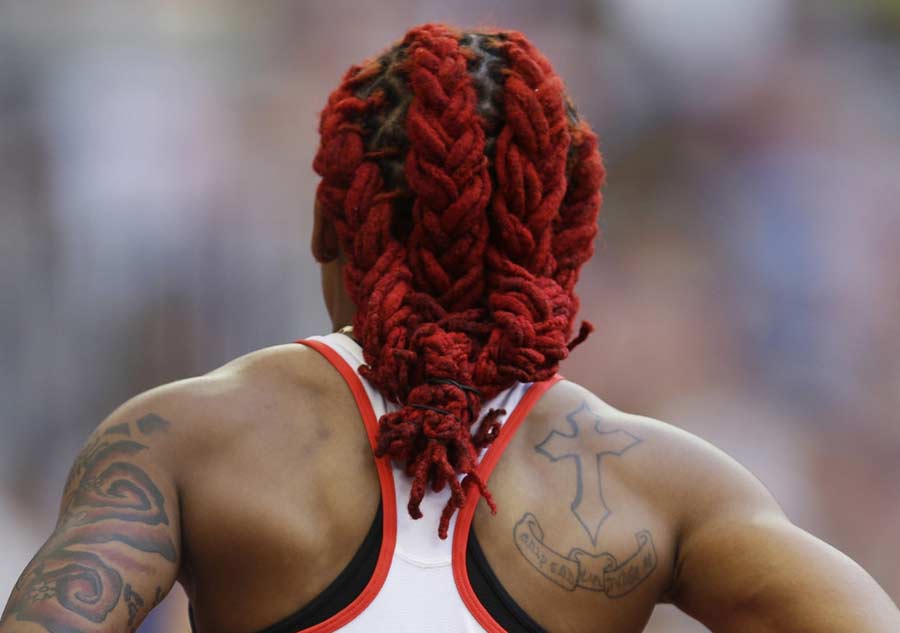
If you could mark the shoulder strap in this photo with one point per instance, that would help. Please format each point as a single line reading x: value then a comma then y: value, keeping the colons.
x: 363, y: 403
x: 464, y: 522
x: 388, y: 498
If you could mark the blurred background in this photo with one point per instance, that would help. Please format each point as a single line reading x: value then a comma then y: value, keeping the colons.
x: 155, y: 209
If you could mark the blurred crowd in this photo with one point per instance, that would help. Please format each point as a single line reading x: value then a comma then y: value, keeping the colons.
x: 155, y: 211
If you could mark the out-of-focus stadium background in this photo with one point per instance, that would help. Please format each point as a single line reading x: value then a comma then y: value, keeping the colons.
x: 155, y: 208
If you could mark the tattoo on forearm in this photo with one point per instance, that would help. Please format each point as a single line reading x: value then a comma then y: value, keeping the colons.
x: 108, y: 500
x: 585, y: 446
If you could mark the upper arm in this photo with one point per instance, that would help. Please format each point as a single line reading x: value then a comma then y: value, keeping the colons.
x: 115, y: 550
x: 743, y: 567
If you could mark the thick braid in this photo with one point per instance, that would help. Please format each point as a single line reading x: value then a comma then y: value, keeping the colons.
x: 575, y: 228
x: 530, y: 160
x: 444, y: 170
x: 447, y: 173
x: 351, y: 195
x: 531, y: 308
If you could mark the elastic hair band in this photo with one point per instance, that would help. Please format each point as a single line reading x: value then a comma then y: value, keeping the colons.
x: 448, y: 381
x: 430, y: 408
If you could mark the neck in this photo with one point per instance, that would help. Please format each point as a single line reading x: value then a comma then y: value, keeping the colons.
x: 342, y: 317
x: 342, y: 314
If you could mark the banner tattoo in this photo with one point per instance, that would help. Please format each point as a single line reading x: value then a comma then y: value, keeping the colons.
x: 600, y: 572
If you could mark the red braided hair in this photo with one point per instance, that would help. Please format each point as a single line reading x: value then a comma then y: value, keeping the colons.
x: 464, y: 192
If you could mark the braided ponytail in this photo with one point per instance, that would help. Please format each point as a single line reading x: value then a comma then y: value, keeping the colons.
x: 444, y: 170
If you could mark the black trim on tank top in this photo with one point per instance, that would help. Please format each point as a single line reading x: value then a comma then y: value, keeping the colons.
x: 340, y: 593
x: 492, y: 595
x: 356, y: 575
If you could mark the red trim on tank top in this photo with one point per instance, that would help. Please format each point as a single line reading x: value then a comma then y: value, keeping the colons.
x: 388, y: 499
x: 467, y: 512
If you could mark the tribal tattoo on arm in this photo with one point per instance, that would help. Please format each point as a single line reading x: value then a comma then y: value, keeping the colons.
x: 585, y: 446
x: 113, y: 541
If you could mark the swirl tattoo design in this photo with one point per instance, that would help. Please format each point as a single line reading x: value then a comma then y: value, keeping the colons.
x: 108, y: 500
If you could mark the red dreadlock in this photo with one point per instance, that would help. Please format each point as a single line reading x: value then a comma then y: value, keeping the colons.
x: 465, y: 193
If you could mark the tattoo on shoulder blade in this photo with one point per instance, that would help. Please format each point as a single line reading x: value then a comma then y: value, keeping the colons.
x: 108, y: 499
x: 585, y: 446
x: 595, y: 572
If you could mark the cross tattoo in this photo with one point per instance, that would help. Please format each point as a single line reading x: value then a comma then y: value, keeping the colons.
x: 586, y: 445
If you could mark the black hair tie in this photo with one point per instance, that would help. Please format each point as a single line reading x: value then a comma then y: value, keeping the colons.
x: 430, y: 408
x: 448, y: 381
x: 427, y: 407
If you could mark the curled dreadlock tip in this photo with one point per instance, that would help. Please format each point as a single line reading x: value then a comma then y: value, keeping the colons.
x: 414, y: 511
x: 583, y: 332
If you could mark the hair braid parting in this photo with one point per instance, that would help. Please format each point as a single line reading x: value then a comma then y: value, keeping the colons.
x: 478, y: 291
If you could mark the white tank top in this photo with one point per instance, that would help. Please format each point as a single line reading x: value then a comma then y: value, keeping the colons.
x: 420, y: 583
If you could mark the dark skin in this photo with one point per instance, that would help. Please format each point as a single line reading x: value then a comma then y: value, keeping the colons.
x: 253, y: 486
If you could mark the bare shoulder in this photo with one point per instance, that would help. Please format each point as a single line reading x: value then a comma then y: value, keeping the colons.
x: 254, y: 379
x: 202, y: 415
x: 276, y: 483
x: 680, y: 473
x: 734, y: 559
x: 737, y: 562
x: 596, y: 500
